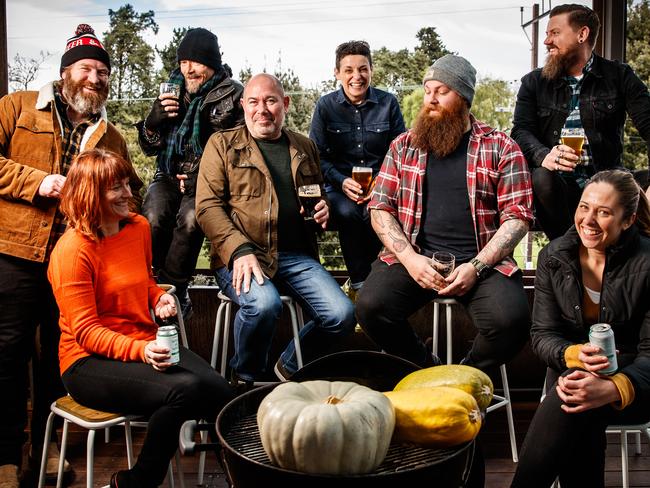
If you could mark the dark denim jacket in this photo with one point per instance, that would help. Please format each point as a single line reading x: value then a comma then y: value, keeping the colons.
x: 609, y: 90
x: 350, y: 135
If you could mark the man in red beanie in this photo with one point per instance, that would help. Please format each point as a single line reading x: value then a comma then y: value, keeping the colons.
x: 175, y: 131
x: 41, y: 133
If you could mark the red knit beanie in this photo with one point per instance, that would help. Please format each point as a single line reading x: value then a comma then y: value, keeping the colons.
x: 84, y: 45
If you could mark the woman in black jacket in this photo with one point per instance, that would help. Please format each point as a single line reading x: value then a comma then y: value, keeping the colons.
x: 599, y: 271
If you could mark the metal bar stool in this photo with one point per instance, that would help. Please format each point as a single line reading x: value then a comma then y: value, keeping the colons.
x: 222, y: 330
x: 90, y: 419
x: 501, y: 400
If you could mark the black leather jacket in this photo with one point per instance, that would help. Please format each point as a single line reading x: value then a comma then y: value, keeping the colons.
x: 624, y: 303
x: 609, y: 90
x: 221, y: 110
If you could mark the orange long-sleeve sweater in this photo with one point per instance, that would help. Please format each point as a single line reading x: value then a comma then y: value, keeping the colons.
x: 104, y: 290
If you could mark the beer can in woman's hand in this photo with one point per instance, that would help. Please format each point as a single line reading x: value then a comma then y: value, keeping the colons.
x: 167, y: 336
x: 602, y: 336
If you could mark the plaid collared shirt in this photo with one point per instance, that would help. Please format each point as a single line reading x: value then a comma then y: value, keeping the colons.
x: 71, y: 137
x: 498, y: 184
x: 581, y: 173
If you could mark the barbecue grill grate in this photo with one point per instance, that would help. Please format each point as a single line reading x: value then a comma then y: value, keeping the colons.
x: 244, y: 437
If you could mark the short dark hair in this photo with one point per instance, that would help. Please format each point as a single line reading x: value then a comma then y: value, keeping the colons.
x: 361, y: 48
x: 580, y: 16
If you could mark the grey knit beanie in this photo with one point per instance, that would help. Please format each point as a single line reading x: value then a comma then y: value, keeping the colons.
x: 455, y: 72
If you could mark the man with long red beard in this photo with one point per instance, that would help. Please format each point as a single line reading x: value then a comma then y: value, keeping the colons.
x: 41, y: 133
x: 451, y: 184
x: 580, y: 91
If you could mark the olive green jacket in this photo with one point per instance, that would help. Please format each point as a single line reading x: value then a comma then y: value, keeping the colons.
x: 236, y: 202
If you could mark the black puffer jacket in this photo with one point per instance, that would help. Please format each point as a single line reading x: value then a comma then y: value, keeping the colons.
x: 624, y: 303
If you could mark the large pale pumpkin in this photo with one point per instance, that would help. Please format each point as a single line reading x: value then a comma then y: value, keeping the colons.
x: 435, y: 417
x: 471, y: 380
x: 326, y: 427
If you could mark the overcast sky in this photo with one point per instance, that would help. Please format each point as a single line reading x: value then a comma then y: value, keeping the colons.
x: 303, y: 33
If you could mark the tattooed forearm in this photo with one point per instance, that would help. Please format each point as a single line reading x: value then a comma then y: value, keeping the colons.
x: 389, y: 231
x: 503, y: 242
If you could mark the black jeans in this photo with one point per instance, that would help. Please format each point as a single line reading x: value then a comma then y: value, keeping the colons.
x: 570, y: 445
x: 359, y: 243
x: 26, y: 301
x: 189, y: 390
x: 176, y: 236
x: 497, y: 305
x: 556, y: 200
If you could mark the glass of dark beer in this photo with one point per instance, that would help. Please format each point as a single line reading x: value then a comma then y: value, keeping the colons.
x: 363, y: 176
x: 309, y: 196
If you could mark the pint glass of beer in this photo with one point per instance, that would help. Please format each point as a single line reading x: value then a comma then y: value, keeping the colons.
x: 363, y: 176
x: 309, y: 196
x: 173, y: 88
x: 574, y: 137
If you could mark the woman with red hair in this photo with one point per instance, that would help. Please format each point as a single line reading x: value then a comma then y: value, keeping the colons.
x: 101, y: 275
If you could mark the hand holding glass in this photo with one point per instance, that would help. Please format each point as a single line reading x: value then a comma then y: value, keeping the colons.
x: 443, y: 262
x: 309, y: 196
x: 363, y: 176
x: 574, y: 137
x: 173, y: 88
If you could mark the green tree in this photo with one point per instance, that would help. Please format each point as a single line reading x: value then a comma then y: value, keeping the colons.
x: 635, y: 154
x: 402, y: 71
x: 494, y: 103
x: 411, y: 105
x: 430, y: 44
x: 132, y: 61
x: 168, y: 53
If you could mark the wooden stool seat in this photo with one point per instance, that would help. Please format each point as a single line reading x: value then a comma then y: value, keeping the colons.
x: 70, y: 405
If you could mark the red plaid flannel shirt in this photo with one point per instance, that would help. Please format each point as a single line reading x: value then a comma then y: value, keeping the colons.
x: 498, y: 183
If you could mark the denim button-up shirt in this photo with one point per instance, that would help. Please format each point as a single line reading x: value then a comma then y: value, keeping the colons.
x: 349, y: 135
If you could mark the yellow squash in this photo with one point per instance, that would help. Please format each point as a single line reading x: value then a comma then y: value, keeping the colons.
x: 435, y: 417
x: 471, y: 380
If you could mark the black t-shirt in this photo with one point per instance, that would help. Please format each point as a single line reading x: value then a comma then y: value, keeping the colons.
x: 446, y: 218
x: 292, y: 235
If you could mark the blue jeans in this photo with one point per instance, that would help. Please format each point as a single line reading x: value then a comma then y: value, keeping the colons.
x: 359, y: 242
x: 304, y: 279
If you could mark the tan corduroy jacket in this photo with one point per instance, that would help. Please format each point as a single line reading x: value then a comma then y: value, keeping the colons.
x: 30, y: 149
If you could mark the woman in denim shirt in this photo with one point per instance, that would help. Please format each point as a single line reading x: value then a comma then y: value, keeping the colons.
x: 354, y: 126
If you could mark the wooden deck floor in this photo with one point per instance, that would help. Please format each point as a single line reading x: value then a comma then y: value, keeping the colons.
x: 499, y: 466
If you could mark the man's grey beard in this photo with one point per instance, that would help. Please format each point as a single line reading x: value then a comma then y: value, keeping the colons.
x: 84, y: 104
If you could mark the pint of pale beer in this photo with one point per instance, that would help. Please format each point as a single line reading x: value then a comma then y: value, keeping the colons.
x: 309, y: 196
x: 574, y: 137
x: 363, y: 176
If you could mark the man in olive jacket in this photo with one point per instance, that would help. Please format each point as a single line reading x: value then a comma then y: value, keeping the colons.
x: 40, y: 135
x: 262, y: 246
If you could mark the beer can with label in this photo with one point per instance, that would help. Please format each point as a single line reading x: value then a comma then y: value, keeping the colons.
x: 602, y: 335
x: 167, y: 336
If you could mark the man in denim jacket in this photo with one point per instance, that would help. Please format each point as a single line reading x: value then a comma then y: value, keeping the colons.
x: 575, y: 89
